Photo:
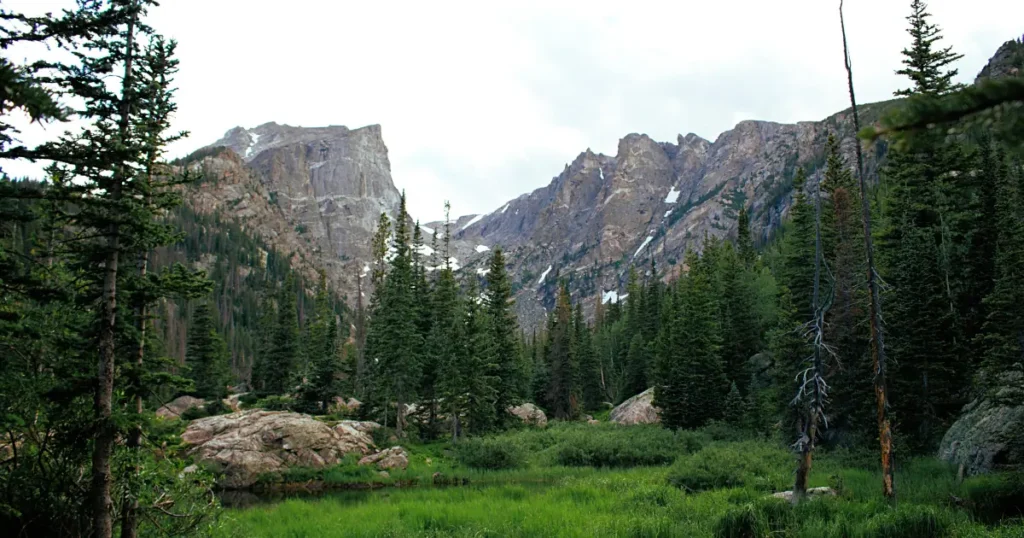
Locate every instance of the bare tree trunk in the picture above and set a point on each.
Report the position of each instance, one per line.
(877, 337)
(129, 510)
(103, 403)
(817, 391)
(400, 418)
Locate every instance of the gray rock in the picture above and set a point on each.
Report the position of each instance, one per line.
(393, 458)
(989, 435)
(179, 405)
(242, 446)
(530, 414)
(637, 410)
(811, 492)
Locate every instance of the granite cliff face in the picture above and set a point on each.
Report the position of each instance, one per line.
(651, 201)
(314, 193)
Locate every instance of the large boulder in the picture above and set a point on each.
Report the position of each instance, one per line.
(989, 435)
(393, 458)
(242, 446)
(179, 405)
(637, 410)
(530, 414)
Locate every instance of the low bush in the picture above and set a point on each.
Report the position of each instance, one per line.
(275, 403)
(615, 446)
(762, 518)
(751, 464)
(992, 499)
(484, 453)
(909, 522)
(216, 407)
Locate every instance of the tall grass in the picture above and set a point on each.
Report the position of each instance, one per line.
(713, 489)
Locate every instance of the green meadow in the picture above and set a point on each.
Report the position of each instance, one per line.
(573, 480)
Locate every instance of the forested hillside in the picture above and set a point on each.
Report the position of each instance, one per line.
(172, 333)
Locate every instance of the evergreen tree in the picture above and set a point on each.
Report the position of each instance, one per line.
(283, 357)
(586, 361)
(445, 342)
(734, 407)
(744, 240)
(501, 318)
(846, 328)
(923, 248)
(741, 334)
(562, 389)
(394, 342)
(797, 272)
(925, 65)
(322, 353)
(1003, 332)
(637, 367)
(207, 357)
(479, 365)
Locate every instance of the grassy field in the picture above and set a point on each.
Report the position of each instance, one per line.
(602, 481)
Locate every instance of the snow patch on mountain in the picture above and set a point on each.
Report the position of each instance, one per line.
(482, 248)
(611, 296)
(672, 197)
(544, 275)
(643, 246)
(472, 221)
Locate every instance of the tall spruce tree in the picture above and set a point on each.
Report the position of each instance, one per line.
(480, 365)
(501, 318)
(923, 249)
(394, 342)
(562, 388)
(206, 355)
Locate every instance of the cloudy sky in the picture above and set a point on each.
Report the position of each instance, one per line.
(481, 102)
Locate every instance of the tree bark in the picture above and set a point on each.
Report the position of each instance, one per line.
(877, 338)
(103, 403)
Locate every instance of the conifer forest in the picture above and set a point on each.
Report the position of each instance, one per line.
(844, 361)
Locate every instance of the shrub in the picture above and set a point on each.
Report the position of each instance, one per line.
(615, 446)
(213, 408)
(276, 403)
(910, 522)
(992, 499)
(765, 517)
(488, 454)
(733, 465)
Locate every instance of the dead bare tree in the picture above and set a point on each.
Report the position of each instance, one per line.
(813, 389)
(877, 337)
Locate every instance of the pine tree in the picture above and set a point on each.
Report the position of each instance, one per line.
(207, 356)
(924, 64)
(562, 396)
(394, 342)
(638, 364)
(798, 249)
(501, 318)
(734, 407)
(283, 356)
(923, 248)
(741, 333)
(1003, 331)
(479, 364)
(846, 328)
(744, 240)
(322, 353)
(589, 380)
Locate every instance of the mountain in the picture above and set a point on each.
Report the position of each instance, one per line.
(317, 193)
(651, 202)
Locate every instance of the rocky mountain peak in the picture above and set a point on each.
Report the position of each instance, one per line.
(1008, 61)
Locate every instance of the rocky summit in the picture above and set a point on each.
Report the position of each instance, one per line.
(317, 193)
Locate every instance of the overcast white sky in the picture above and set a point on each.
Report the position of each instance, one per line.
(481, 102)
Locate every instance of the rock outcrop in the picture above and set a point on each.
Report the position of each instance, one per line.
(242, 446)
(316, 193)
(530, 414)
(393, 458)
(989, 435)
(811, 492)
(637, 410)
(177, 406)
